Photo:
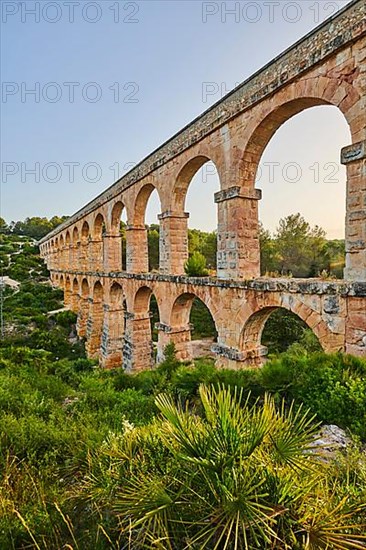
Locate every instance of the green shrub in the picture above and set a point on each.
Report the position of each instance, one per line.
(332, 386)
(195, 266)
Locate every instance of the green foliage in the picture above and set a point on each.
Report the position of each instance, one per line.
(20, 259)
(65, 318)
(195, 266)
(299, 250)
(332, 386)
(153, 244)
(202, 321)
(89, 434)
(284, 329)
(3, 226)
(36, 227)
(170, 363)
(205, 243)
(27, 325)
(238, 476)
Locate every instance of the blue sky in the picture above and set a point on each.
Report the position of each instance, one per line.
(136, 75)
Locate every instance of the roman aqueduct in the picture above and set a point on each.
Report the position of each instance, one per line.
(326, 67)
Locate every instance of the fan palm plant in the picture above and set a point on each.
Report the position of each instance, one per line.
(235, 477)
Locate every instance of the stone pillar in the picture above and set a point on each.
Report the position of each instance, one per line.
(71, 254)
(56, 257)
(173, 242)
(356, 326)
(112, 337)
(238, 252)
(74, 301)
(95, 255)
(112, 249)
(76, 257)
(354, 157)
(137, 252)
(232, 358)
(69, 257)
(83, 256)
(63, 258)
(83, 314)
(67, 296)
(138, 350)
(179, 336)
(94, 329)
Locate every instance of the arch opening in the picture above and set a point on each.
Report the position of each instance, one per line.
(140, 329)
(118, 224)
(142, 300)
(194, 327)
(75, 235)
(116, 295)
(75, 297)
(146, 212)
(75, 286)
(196, 185)
(98, 292)
(298, 170)
(99, 226)
(277, 329)
(85, 289)
(85, 231)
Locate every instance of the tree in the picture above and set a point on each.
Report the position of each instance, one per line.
(209, 249)
(36, 227)
(205, 243)
(153, 243)
(195, 266)
(57, 220)
(301, 249)
(268, 251)
(284, 329)
(3, 226)
(336, 253)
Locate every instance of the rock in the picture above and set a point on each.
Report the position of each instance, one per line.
(329, 440)
(7, 281)
(69, 401)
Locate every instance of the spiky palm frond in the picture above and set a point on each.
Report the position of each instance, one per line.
(238, 477)
(292, 436)
(144, 507)
(328, 525)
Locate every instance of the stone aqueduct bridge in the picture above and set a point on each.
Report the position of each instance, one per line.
(327, 67)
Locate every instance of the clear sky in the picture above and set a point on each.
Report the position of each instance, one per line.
(112, 80)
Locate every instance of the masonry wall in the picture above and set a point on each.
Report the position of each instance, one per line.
(327, 67)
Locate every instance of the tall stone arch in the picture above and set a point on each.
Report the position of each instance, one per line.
(83, 312)
(95, 321)
(113, 327)
(136, 235)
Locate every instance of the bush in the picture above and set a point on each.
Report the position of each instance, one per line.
(224, 477)
(195, 266)
(332, 386)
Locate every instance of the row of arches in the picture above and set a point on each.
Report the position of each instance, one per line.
(114, 316)
(95, 243)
